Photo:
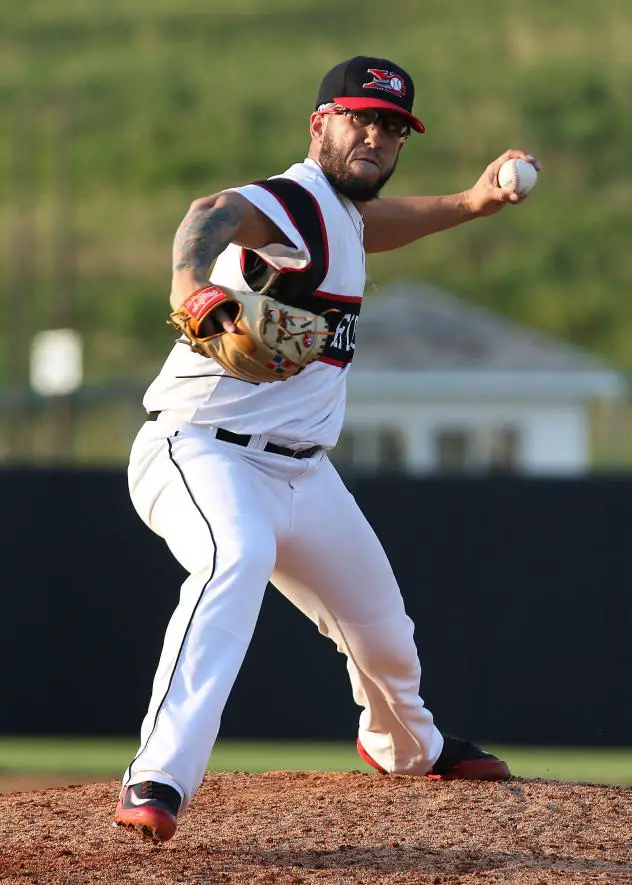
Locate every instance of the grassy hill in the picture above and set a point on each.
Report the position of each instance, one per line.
(119, 114)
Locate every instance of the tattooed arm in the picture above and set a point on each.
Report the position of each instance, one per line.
(208, 227)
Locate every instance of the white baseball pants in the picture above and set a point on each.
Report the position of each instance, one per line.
(235, 518)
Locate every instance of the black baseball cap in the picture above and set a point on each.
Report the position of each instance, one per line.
(367, 82)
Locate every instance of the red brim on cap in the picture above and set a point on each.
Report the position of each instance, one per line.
(357, 103)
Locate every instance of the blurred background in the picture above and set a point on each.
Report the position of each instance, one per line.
(488, 438)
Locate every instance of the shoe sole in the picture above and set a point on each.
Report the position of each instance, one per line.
(159, 830)
(474, 770)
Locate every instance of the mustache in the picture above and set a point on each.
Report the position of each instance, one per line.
(334, 164)
(372, 157)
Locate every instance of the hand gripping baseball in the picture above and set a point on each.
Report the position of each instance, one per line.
(488, 196)
(269, 340)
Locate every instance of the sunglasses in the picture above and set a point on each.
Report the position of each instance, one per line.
(391, 124)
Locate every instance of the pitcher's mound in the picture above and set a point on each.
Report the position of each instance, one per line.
(286, 828)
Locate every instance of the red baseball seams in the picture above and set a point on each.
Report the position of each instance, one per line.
(202, 300)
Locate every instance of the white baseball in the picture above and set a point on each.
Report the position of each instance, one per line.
(518, 176)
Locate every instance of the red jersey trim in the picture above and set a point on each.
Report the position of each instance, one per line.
(323, 229)
(339, 363)
(293, 220)
(331, 297)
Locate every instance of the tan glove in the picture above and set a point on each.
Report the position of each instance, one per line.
(273, 341)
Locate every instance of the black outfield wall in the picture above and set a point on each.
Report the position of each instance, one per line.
(521, 591)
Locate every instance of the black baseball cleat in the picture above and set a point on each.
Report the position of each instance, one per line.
(459, 760)
(149, 808)
(463, 760)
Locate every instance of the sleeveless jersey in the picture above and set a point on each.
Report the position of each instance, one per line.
(307, 409)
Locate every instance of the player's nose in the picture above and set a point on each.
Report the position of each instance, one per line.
(373, 135)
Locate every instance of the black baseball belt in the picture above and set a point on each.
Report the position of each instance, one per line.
(242, 439)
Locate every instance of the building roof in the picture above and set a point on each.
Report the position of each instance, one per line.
(415, 327)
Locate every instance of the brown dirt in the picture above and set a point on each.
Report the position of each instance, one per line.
(293, 827)
(22, 783)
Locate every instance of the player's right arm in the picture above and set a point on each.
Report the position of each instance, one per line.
(206, 230)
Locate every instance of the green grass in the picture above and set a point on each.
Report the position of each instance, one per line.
(152, 120)
(108, 757)
(119, 114)
(610, 765)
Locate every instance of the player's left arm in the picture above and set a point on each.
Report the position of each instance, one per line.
(206, 230)
(392, 222)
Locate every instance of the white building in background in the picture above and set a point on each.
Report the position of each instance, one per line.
(440, 385)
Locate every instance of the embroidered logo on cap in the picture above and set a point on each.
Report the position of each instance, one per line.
(386, 80)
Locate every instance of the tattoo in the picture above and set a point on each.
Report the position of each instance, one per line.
(202, 235)
(463, 205)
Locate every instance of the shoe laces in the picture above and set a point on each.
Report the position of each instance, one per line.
(159, 793)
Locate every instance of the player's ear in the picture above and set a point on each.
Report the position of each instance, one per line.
(316, 125)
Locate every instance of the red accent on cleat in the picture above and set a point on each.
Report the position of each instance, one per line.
(150, 809)
(475, 770)
(151, 823)
(482, 767)
(362, 753)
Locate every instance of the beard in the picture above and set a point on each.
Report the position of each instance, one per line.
(346, 183)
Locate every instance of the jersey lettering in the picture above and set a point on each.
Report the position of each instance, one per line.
(301, 287)
(342, 316)
(344, 336)
(311, 408)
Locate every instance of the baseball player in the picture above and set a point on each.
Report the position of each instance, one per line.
(234, 475)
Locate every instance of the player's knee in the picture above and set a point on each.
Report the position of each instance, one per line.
(398, 660)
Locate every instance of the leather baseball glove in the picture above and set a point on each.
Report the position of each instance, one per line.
(272, 341)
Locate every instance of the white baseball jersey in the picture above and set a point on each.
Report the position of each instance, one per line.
(308, 408)
(237, 515)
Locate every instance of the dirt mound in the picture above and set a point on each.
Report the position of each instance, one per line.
(293, 827)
